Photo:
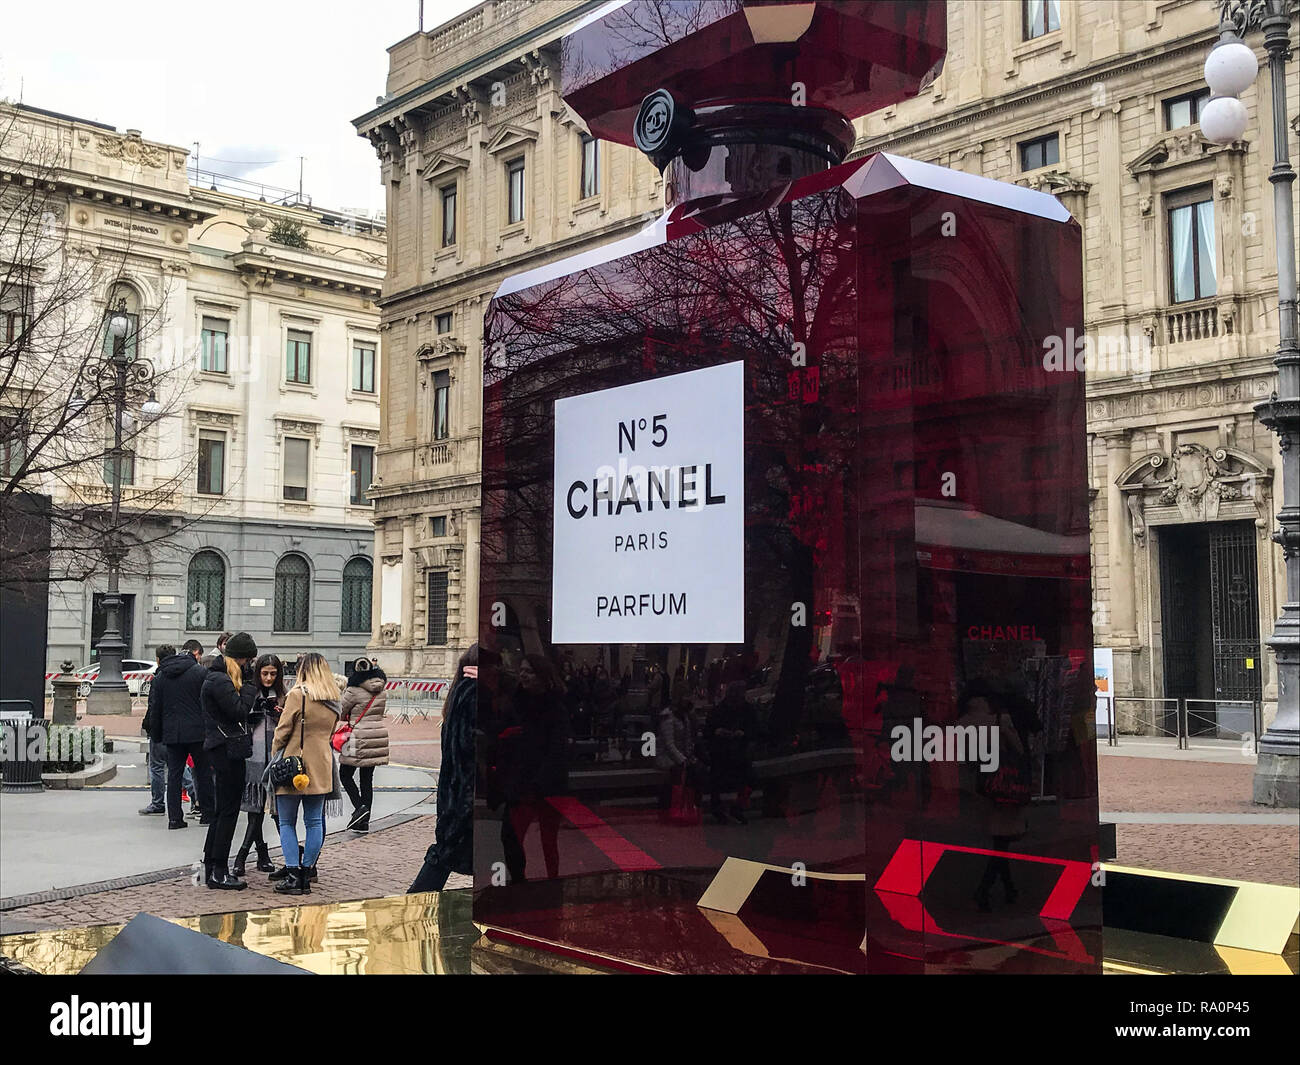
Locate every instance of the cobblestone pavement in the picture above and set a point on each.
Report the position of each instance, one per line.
(385, 861)
(1266, 853)
(355, 867)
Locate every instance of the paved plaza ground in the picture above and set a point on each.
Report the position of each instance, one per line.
(1190, 812)
(79, 858)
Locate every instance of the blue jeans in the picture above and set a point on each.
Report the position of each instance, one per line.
(313, 815)
(157, 775)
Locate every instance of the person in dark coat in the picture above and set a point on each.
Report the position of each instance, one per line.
(176, 723)
(227, 696)
(262, 719)
(157, 754)
(452, 850)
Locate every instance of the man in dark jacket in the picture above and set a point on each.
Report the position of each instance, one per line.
(176, 722)
(157, 754)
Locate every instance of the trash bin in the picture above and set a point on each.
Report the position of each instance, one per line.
(19, 721)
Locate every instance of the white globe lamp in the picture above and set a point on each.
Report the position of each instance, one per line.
(1223, 120)
(1230, 69)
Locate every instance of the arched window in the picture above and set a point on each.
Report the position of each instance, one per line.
(357, 580)
(205, 599)
(292, 594)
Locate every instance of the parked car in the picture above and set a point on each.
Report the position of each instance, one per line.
(131, 667)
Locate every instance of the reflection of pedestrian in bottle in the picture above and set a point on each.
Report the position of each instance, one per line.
(531, 751)
(675, 752)
(730, 728)
(998, 800)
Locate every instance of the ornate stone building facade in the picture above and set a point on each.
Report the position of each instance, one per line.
(487, 173)
(1095, 101)
(245, 499)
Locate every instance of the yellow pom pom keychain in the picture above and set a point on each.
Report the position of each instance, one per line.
(301, 781)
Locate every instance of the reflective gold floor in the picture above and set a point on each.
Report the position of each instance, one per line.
(434, 934)
(401, 934)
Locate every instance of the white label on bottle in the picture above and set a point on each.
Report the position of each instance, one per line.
(649, 512)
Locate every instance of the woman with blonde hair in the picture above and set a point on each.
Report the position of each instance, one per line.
(310, 715)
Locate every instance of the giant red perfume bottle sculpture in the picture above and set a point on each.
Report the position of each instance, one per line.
(785, 573)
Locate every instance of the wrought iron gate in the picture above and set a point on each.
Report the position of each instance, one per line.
(1235, 609)
(1178, 614)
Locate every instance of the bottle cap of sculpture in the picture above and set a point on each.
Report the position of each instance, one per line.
(641, 71)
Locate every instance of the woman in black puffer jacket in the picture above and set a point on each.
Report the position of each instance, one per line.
(227, 696)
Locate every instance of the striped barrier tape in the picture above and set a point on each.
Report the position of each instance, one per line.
(437, 687)
(135, 675)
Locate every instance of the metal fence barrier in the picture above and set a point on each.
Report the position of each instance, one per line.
(415, 697)
(1186, 719)
(1155, 717)
(1223, 719)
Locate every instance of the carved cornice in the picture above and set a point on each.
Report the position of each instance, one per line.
(130, 149)
(1178, 149)
(1196, 480)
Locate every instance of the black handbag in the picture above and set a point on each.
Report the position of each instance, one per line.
(238, 746)
(284, 769)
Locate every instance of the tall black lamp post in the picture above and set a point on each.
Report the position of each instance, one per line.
(1229, 71)
(122, 376)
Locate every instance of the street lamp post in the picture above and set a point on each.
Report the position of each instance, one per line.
(108, 693)
(1229, 70)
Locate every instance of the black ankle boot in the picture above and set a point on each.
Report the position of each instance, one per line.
(311, 873)
(305, 877)
(280, 874)
(219, 879)
(241, 857)
(264, 863)
(289, 884)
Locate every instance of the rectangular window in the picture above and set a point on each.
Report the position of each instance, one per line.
(297, 358)
(1185, 110)
(363, 473)
(1042, 151)
(1192, 273)
(363, 367)
(590, 167)
(441, 405)
(1041, 17)
(13, 314)
(436, 633)
(442, 322)
(13, 444)
(216, 332)
(295, 467)
(128, 467)
(448, 216)
(212, 463)
(438, 526)
(515, 173)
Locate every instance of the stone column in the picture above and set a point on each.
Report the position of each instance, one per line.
(408, 583)
(1110, 221)
(469, 587)
(1119, 540)
(376, 584)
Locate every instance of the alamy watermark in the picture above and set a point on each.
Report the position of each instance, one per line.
(919, 742)
(1105, 353)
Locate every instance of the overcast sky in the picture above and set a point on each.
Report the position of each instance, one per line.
(256, 82)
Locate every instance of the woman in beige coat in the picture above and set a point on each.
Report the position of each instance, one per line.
(363, 708)
(310, 715)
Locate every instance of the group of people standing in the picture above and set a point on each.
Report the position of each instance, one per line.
(234, 715)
